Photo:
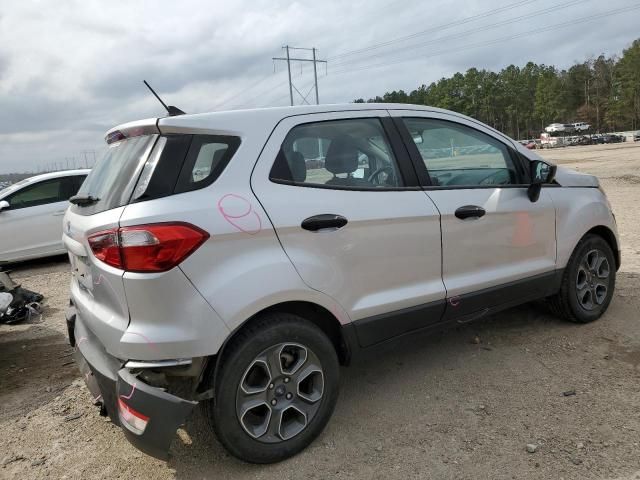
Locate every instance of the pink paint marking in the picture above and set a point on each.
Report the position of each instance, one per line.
(128, 397)
(246, 216)
(78, 342)
(97, 398)
(145, 338)
(233, 195)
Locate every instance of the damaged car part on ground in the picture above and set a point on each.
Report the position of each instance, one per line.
(197, 279)
(17, 304)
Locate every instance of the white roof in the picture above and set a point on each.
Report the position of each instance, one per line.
(241, 122)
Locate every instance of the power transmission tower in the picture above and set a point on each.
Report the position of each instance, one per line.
(314, 60)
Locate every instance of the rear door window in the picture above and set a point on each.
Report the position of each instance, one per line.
(352, 153)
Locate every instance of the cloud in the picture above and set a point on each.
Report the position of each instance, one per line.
(69, 71)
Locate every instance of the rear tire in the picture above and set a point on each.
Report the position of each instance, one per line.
(276, 389)
(588, 282)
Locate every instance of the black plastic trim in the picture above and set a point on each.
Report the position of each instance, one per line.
(504, 296)
(342, 187)
(382, 327)
(166, 413)
(414, 154)
(165, 176)
(108, 382)
(367, 333)
(184, 183)
(400, 152)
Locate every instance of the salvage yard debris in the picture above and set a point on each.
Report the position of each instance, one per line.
(16, 303)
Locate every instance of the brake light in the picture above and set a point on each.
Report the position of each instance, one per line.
(134, 420)
(104, 246)
(147, 248)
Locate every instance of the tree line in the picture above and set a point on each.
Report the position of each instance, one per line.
(521, 101)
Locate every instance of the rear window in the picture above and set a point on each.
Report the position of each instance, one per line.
(147, 167)
(114, 176)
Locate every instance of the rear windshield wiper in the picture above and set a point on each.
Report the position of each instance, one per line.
(83, 200)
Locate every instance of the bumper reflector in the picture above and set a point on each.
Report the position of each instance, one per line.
(132, 419)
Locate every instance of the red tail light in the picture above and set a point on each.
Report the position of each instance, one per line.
(147, 248)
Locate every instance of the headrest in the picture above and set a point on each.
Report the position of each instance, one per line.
(298, 166)
(342, 156)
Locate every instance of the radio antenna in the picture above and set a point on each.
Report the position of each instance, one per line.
(171, 110)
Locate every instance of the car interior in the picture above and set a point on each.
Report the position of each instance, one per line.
(339, 154)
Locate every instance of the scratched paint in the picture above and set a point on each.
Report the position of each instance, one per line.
(238, 212)
(454, 301)
(144, 337)
(128, 397)
(78, 342)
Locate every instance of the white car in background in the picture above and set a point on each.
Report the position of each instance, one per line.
(555, 127)
(581, 126)
(31, 214)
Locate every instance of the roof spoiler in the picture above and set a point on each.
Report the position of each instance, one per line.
(132, 129)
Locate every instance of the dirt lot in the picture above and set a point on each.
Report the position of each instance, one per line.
(461, 404)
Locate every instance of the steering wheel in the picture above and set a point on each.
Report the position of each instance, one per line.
(378, 171)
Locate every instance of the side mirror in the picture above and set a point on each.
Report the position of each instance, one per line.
(4, 205)
(541, 173)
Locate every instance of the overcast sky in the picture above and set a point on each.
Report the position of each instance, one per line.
(71, 70)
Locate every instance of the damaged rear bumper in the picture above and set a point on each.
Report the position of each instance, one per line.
(148, 415)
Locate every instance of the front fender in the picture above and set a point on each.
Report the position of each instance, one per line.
(579, 210)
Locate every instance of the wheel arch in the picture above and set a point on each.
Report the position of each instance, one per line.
(319, 315)
(607, 234)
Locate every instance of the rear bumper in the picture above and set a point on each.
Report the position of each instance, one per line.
(110, 383)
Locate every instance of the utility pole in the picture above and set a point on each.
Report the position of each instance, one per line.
(314, 60)
(315, 76)
(289, 72)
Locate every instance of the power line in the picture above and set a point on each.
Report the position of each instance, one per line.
(492, 42)
(433, 29)
(240, 92)
(466, 33)
(248, 102)
(289, 59)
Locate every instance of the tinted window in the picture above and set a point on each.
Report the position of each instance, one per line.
(352, 153)
(207, 157)
(42, 193)
(114, 176)
(457, 155)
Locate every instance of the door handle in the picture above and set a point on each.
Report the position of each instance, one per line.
(326, 220)
(58, 214)
(470, 211)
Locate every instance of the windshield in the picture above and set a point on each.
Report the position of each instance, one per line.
(114, 176)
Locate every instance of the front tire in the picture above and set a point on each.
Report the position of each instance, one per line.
(588, 282)
(276, 389)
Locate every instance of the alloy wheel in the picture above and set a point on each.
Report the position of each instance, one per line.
(280, 392)
(592, 279)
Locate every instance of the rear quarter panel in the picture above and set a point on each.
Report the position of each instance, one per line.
(241, 269)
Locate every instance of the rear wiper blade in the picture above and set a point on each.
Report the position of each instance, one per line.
(83, 200)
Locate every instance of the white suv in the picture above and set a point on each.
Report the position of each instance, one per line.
(236, 259)
(581, 126)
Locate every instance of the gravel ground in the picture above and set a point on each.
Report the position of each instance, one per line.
(466, 403)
